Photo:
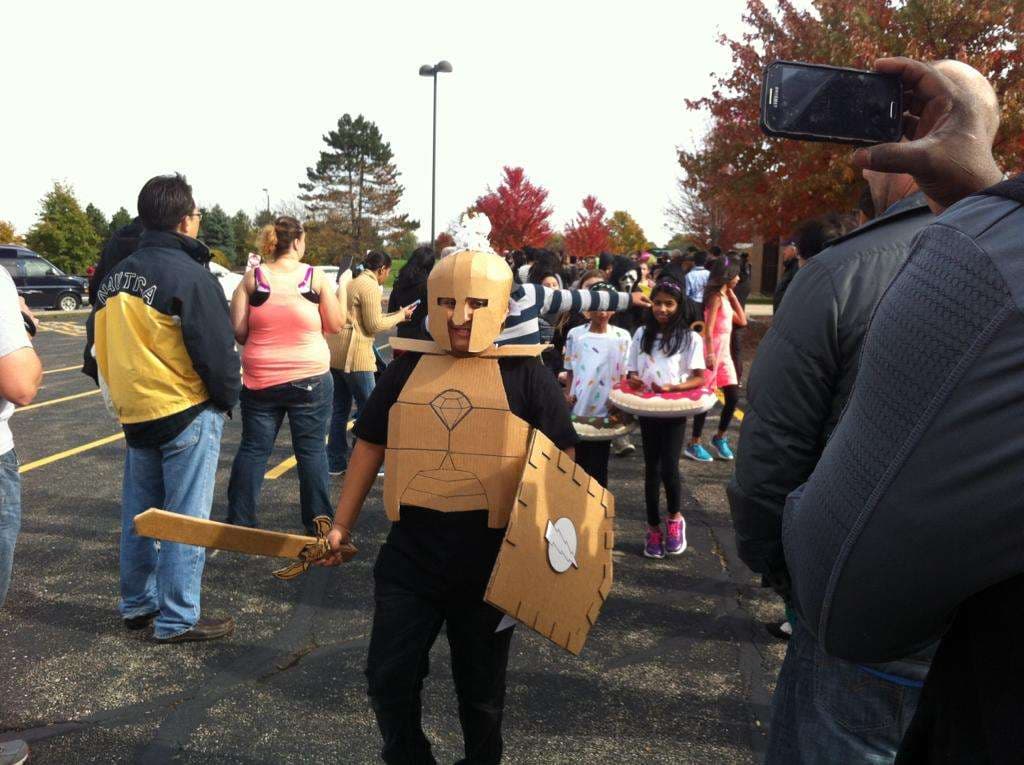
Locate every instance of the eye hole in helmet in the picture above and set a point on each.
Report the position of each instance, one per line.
(476, 303)
(446, 302)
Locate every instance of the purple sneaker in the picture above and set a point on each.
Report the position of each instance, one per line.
(653, 548)
(675, 543)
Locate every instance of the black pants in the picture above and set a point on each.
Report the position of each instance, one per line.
(433, 571)
(731, 393)
(592, 456)
(663, 443)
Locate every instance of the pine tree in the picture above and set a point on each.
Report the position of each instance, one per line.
(98, 221)
(245, 236)
(216, 230)
(64, 234)
(353, 193)
(120, 219)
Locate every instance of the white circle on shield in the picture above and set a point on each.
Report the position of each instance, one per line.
(562, 543)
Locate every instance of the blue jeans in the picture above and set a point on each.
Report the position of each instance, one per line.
(828, 710)
(307, 403)
(10, 517)
(348, 386)
(176, 476)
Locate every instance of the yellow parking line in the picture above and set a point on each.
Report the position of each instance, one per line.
(70, 452)
(276, 472)
(56, 401)
(62, 369)
(721, 399)
(279, 470)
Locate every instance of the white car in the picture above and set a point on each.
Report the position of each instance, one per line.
(228, 279)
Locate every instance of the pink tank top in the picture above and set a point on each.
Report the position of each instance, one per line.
(722, 331)
(286, 337)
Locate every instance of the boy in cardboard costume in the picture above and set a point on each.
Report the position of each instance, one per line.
(451, 422)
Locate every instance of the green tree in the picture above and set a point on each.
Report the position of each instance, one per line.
(216, 230)
(263, 218)
(120, 219)
(8, 235)
(624, 234)
(245, 236)
(353, 193)
(681, 242)
(98, 221)
(64, 234)
(402, 248)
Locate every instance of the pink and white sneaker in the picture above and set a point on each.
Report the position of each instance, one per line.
(675, 543)
(654, 548)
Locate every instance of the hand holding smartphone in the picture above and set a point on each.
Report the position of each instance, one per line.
(814, 102)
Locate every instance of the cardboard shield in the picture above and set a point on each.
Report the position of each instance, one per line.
(554, 570)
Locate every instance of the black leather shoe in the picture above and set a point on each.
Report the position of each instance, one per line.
(142, 621)
(205, 629)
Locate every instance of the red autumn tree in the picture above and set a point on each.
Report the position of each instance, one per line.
(442, 240)
(516, 209)
(586, 235)
(766, 186)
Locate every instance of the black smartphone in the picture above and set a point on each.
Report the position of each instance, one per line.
(814, 102)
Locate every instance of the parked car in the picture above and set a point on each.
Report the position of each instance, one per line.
(41, 283)
(228, 279)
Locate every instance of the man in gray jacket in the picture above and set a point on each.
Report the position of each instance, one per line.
(799, 385)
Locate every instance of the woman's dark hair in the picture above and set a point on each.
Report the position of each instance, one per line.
(375, 260)
(722, 271)
(676, 335)
(813, 236)
(416, 268)
(545, 263)
(277, 238)
(518, 259)
(164, 201)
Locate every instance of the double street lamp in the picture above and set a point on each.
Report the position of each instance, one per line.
(432, 71)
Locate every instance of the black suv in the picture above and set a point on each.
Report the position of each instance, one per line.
(41, 283)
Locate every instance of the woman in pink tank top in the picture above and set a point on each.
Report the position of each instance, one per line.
(722, 312)
(280, 313)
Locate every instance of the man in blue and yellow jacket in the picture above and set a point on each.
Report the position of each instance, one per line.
(165, 348)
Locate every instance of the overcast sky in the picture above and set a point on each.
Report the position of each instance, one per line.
(587, 97)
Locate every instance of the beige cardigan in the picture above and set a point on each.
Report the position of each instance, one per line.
(352, 348)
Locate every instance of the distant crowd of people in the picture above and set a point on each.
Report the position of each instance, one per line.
(876, 486)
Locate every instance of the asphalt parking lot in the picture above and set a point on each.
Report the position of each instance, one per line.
(678, 670)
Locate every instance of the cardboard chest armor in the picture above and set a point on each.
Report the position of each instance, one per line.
(453, 444)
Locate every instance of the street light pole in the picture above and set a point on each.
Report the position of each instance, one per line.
(432, 71)
(268, 201)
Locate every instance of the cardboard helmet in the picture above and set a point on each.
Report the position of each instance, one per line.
(461, 277)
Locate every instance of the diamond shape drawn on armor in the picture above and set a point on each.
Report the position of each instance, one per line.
(451, 406)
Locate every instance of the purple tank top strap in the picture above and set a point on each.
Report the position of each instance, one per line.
(261, 281)
(307, 280)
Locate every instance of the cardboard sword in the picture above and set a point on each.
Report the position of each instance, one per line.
(174, 527)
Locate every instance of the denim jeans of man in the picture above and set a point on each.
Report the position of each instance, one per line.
(307, 403)
(348, 387)
(177, 476)
(826, 710)
(10, 517)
